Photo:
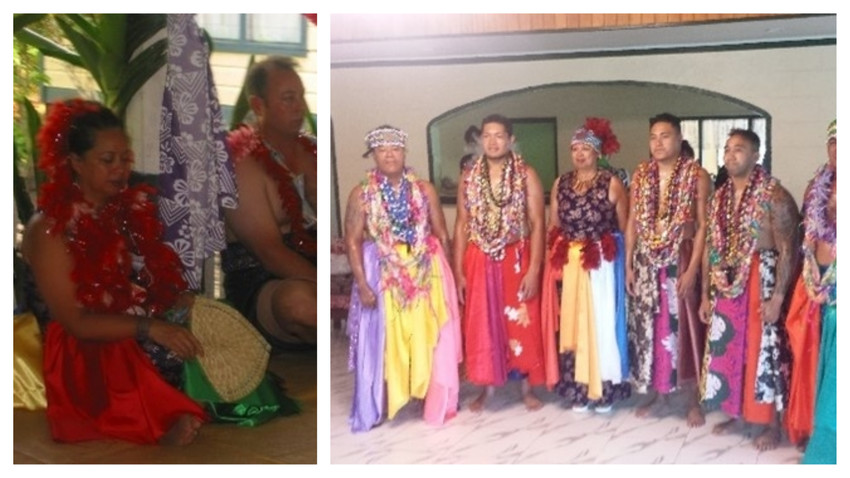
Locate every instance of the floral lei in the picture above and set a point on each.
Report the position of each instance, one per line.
(406, 278)
(732, 233)
(817, 226)
(244, 142)
(494, 219)
(105, 243)
(662, 243)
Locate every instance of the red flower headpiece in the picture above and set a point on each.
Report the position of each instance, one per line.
(601, 128)
(52, 140)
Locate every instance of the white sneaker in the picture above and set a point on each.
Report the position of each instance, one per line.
(604, 409)
(581, 408)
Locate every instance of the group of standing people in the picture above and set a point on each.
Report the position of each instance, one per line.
(664, 285)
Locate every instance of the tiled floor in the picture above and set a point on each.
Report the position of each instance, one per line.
(283, 440)
(506, 433)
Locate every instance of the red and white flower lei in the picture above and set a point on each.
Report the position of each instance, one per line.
(103, 243)
(245, 142)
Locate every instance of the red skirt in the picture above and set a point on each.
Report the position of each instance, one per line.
(501, 334)
(99, 390)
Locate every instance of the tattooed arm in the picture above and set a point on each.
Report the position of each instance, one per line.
(355, 226)
(784, 219)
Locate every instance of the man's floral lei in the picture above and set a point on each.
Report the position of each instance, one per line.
(245, 142)
(817, 226)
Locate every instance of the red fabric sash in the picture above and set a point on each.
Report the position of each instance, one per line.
(803, 325)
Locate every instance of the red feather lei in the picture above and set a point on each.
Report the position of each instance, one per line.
(245, 142)
(592, 252)
(103, 244)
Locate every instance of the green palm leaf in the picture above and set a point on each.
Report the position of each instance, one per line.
(48, 47)
(22, 20)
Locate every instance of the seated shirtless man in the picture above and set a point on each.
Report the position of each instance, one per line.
(270, 260)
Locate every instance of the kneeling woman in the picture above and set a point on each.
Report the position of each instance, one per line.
(403, 323)
(584, 289)
(107, 282)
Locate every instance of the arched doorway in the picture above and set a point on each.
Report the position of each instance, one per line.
(707, 117)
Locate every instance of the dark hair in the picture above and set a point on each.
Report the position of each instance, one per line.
(747, 135)
(84, 126)
(667, 118)
(257, 78)
(472, 133)
(687, 151)
(502, 120)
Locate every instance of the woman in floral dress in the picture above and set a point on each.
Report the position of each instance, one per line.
(584, 288)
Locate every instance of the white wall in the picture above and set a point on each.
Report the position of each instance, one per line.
(796, 86)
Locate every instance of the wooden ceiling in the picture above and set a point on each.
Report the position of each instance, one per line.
(354, 27)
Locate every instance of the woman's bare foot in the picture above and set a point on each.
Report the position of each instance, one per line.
(768, 439)
(642, 410)
(183, 432)
(478, 404)
(531, 401)
(695, 417)
(723, 427)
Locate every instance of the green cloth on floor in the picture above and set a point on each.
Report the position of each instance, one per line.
(256, 408)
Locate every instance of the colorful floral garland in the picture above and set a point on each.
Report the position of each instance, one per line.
(493, 220)
(389, 231)
(246, 142)
(818, 226)
(660, 232)
(120, 263)
(733, 233)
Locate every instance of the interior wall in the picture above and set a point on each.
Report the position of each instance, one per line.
(795, 86)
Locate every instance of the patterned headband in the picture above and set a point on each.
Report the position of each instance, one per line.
(385, 136)
(584, 135)
(831, 131)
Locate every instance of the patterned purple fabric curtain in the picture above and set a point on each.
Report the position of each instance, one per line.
(196, 175)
